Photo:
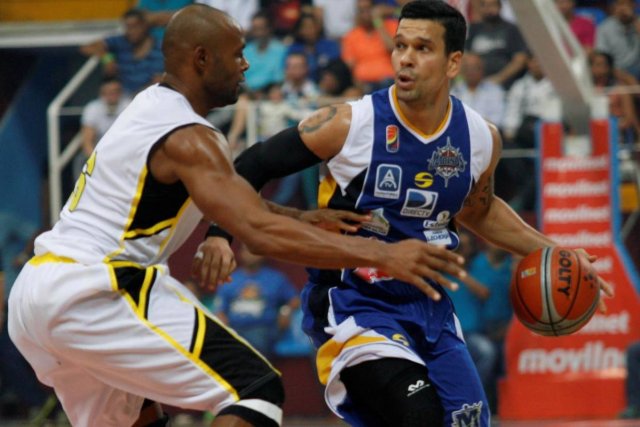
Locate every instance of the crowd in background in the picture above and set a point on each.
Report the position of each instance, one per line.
(305, 54)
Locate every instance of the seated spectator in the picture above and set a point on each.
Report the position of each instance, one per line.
(265, 53)
(336, 83)
(632, 383)
(499, 43)
(336, 17)
(134, 57)
(99, 114)
(308, 40)
(258, 303)
(298, 87)
(367, 48)
(159, 12)
(621, 105)
(583, 28)
(619, 36)
(241, 11)
(481, 94)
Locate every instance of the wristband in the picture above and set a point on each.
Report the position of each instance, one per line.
(215, 231)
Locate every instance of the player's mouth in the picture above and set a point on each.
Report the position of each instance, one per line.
(404, 81)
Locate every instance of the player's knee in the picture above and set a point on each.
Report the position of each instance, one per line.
(415, 403)
(261, 407)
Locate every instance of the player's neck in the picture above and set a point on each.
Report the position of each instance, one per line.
(426, 115)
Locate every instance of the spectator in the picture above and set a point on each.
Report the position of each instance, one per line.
(285, 13)
(621, 105)
(134, 57)
(583, 28)
(337, 16)
(367, 48)
(632, 383)
(241, 11)
(265, 53)
(275, 113)
(309, 41)
(526, 102)
(298, 87)
(258, 303)
(499, 43)
(619, 36)
(99, 114)
(336, 82)
(158, 13)
(481, 94)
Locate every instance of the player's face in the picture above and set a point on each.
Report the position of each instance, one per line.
(422, 66)
(226, 71)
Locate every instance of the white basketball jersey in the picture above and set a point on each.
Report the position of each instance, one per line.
(118, 211)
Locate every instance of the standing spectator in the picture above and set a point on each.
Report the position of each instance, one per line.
(621, 105)
(367, 48)
(308, 40)
(99, 114)
(134, 57)
(619, 36)
(240, 10)
(258, 303)
(632, 383)
(265, 53)
(337, 16)
(499, 43)
(158, 13)
(483, 95)
(583, 27)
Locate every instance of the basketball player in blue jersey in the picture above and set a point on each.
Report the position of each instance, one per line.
(420, 162)
(96, 311)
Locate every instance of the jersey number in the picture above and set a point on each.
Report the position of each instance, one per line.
(87, 170)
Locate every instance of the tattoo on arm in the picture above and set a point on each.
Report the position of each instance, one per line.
(481, 195)
(317, 120)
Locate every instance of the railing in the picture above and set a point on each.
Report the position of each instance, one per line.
(58, 160)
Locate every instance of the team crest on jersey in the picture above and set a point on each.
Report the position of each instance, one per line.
(393, 139)
(419, 203)
(467, 416)
(447, 162)
(378, 224)
(388, 180)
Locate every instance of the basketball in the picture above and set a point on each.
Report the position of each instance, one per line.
(554, 292)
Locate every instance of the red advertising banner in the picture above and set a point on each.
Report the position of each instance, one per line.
(579, 375)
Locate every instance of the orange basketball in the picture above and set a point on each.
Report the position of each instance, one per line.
(553, 292)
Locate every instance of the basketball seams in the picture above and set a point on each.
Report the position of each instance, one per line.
(545, 261)
(577, 290)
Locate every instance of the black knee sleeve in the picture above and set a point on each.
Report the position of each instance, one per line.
(260, 407)
(396, 391)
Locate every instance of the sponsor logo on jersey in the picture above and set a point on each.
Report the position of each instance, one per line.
(388, 180)
(442, 221)
(467, 416)
(401, 339)
(393, 139)
(447, 162)
(414, 388)
(437, 237)
(423, 180)
(419, 203)
(378, 224)
(371, 275)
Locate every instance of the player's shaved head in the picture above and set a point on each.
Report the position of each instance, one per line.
(192, 26)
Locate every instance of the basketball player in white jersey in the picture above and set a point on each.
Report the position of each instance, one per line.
(96, 312)
(421, 163)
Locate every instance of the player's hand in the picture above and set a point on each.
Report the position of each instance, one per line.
(605, 287)
(213, 263)
(335, 220)
(414, 260)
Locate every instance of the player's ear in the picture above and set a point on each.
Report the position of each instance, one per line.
(453, 65)
(200, 55)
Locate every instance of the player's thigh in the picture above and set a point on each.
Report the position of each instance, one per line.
(150, 337)
(393, 392)
(456, 379)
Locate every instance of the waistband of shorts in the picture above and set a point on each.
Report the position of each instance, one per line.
(49, 258)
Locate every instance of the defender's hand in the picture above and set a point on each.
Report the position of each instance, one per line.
(335, 220)
(213, 263)
(413, 260)
(605, 287)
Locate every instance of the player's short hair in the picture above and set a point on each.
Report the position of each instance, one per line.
(448, 16)
(134, 13)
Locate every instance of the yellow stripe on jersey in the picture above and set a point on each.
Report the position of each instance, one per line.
(411, 125)
(49, 257)
(175, 221)
(144, 291)
(202, 326)
(132, 234)
(326, 190)
(331, 349)
(132, 212)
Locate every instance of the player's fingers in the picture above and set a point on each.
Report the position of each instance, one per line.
(226, 267)
(214, 269)
(606, 288)
(427, 289)
(602, 306)
(344, 226)
(353, 216)
(443, 253)
(440, 278)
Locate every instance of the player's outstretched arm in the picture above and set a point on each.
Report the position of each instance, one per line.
(199, 158)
